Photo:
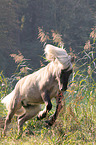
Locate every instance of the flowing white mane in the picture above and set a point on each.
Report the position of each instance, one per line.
(52, 53)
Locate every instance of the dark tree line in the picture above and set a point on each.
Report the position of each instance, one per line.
(20, 19)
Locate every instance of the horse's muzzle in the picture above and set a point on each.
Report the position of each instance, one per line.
(64, 88)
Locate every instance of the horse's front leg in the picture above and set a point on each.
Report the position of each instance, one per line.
(48, 105)
(58, 108)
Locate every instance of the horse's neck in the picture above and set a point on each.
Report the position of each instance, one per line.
(54, 68)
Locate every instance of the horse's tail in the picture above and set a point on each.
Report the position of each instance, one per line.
(8, 100)
(53, 52)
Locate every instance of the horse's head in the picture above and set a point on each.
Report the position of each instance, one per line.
(64, 76)
(64, 65)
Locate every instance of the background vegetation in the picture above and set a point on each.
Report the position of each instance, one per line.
(76, 123)
(22, 36)
(20, 19)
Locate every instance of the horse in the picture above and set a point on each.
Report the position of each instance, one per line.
(40, 87)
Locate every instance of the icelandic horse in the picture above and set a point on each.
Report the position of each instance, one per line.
(40, 87)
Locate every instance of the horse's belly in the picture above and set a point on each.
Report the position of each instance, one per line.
(35, 99)
(32, 97)
(31, 93)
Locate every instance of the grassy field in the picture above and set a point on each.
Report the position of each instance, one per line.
(76, 123)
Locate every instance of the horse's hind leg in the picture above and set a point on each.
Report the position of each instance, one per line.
(11, 112)
(31, 111)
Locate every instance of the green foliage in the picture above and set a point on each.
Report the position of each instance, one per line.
(7, 84)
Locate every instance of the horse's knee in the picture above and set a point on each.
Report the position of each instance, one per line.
(8, 121)
(49, 106)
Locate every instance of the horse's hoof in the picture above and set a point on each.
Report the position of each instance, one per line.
(38, 118)
(19, 136)
(3, 134)
(48, 123)
(29, 132)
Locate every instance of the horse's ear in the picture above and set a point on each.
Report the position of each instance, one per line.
(72, 59)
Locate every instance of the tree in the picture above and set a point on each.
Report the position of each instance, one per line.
(9, 29)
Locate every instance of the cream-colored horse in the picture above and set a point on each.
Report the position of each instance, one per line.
(40, 87)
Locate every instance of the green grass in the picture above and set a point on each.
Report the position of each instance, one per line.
(76, 124)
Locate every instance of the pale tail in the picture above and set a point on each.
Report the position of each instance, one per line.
(7, 101)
